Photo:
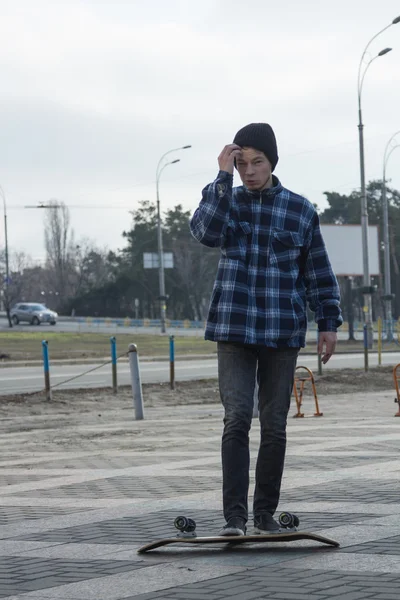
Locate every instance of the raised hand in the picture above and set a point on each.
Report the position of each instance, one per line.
(227, 157)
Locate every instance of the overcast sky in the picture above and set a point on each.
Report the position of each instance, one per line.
(93, 92)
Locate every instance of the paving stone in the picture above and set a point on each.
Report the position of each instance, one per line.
(245, 573)
(246, 595)
(285, 595)
(385, 446)
(20, 574)
(261, 583)
(389, 545)
(130, 530)
(14, 514)
(355, 490)
(16, 478)
(128, 487)
(100, 461)
(315, 462)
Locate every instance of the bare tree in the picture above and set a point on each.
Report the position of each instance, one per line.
(91, 268)
(59, 244)
(24, 280)
(19, 263)
(196, 267)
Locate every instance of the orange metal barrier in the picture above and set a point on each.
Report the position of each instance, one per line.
(396, 385)
(301, 381)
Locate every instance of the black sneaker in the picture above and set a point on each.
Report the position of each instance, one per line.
(235, 526)
(265, 524)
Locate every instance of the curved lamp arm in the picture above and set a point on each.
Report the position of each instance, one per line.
(165, 154)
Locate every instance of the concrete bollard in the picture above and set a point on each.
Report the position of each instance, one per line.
(113, 342)
(135, 381)
(46, 366)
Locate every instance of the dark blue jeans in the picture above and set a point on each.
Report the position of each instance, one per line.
(238, 367)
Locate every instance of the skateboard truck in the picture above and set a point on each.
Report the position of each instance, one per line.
(186, 527)
(288, 520)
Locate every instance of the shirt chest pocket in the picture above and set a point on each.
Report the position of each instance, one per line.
(286, 249)
(237, 238)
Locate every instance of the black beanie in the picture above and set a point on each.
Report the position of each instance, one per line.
(261, 137)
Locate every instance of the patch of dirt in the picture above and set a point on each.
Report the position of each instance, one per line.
(350, 381)
(101, 399)
(346, 381)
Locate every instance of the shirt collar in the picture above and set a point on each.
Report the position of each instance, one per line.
(272, 191)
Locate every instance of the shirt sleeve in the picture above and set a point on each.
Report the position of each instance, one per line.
(210, 220)
(322, 288)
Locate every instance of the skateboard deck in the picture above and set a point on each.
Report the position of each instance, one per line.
(240, 539)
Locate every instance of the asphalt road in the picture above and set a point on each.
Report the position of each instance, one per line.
(74, 327)
(29, 379)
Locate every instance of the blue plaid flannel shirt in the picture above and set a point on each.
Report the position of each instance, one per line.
(273, 261)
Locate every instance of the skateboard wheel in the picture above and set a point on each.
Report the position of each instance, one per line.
(288, 520)
(185, 524)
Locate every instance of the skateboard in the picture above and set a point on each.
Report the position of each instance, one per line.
(287, 521)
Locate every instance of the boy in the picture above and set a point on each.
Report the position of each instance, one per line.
(273, 260)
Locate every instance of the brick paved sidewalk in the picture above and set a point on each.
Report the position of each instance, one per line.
(78, 500)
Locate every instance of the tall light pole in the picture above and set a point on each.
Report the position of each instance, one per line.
(163, 297)
(388, 297)
(364, 206)
(7, 279)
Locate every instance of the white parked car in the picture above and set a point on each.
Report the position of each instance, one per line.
(32, 313)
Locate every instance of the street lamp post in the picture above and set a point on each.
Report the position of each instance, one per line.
(364, 206)
(163, 297)
(7, 279)
(388, 297)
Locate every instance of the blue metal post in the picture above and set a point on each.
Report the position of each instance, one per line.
(114, 364)
(172, 362)
(366, 347)
(46, 366)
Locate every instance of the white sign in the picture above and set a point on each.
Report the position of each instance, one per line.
(150, 260)
(344, 245)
